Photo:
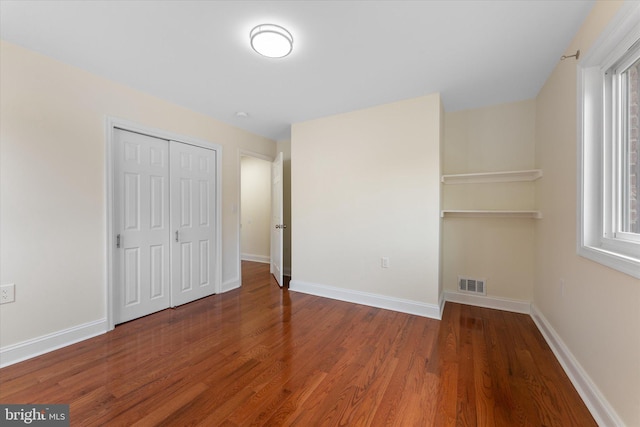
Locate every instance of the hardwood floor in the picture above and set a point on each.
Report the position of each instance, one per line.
(265, 356)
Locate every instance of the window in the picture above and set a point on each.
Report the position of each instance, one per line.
(628, 81)
(608, 218)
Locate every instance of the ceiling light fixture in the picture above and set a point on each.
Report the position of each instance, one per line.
(271, 41)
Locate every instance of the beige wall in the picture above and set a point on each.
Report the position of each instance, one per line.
(490, 139)
(255, 209)
(364, 185)
(598, 315)
(52, 190)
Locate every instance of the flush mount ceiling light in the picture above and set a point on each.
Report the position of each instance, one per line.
(271, 41)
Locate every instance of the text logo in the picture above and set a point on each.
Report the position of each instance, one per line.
(34, 415)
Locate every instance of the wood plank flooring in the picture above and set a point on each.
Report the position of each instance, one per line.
(265, 356)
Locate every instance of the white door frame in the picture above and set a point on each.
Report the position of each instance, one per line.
(244, 153)
(277, 219)
(110, 124)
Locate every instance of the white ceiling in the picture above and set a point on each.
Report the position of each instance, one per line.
(347, 54)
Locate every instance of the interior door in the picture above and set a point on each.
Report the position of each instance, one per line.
(141, 182)
(277, 226)
(193, 222)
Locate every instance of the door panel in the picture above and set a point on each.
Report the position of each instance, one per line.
(157, 271)
(141, 208)
(132, 276)
(185, 202)
(186, 266)
(205, 210)
(131, 201)
(204, 264)
(192, 190)
(158, 202)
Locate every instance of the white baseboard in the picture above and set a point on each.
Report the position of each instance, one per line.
(35, 347)
(365, 298)
(265, 259)
(516, 306)
(230, 285)
(598, 405)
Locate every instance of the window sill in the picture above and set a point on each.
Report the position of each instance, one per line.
(620, 262)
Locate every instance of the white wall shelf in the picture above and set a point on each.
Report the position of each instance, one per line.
(449, 213)
(488, 177)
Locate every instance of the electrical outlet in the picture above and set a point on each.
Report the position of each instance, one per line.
(384, 262)
(7, 293)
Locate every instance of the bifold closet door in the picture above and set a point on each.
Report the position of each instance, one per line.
(142, 260)
(193, 222)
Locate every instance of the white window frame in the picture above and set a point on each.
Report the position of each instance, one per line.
(598, 156)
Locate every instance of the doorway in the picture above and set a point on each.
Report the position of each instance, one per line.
(261, 220)
(255, 209)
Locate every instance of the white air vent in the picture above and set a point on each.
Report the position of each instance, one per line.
(472, 285)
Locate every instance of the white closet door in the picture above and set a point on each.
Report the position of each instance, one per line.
(142, 225)
(193, 222)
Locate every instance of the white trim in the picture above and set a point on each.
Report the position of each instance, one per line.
(109, 250)
(365, 298)
(597, 404)
(44, 344)
(110, 124)
(506, 304)
(256, 258)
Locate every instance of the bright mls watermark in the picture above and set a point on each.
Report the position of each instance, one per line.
(34, 415)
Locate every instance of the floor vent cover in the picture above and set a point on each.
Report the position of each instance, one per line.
(471, 285)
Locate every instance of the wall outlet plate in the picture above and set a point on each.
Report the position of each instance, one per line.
(7, 293)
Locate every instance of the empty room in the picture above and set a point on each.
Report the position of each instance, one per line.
(355, 213)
